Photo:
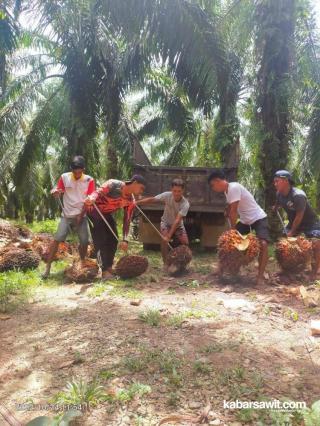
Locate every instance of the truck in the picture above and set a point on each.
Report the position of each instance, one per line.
(205, 220)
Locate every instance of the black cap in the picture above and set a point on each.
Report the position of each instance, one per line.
(138, 179)
(78, 162)
(284, 174)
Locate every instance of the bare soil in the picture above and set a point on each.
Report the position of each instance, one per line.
(217, 340)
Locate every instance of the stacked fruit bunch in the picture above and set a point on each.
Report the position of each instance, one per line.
(293, 254)
(18, 258)
(41, 245)
(236, 250)
(131, 266)
(178, 259)
(82, 271)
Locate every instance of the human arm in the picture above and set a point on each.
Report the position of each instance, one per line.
(94, 193)
(295, 224)
(299, 203)
(233, 214)
(174, 227)
(59, 188)
(147, 200)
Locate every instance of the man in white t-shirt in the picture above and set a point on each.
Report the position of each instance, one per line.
(241, 204)
(176, 207)
(74, 186)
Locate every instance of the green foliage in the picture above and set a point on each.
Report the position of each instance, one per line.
(16, 287)
(135, 389)
(44, 226)
(151, 317)
(80, 392)
(311, 416)
(60, 420)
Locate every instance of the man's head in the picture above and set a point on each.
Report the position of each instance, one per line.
(137, 185)
(77, 166)
(218, 181)
(283, 181)
(177, 189)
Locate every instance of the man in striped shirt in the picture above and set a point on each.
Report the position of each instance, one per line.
(113, 195)
(75, 187)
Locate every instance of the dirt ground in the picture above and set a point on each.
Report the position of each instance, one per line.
(213, 341)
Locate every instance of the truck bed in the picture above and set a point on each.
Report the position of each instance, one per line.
(197, 190)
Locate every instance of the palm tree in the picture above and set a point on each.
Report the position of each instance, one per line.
(275, 22)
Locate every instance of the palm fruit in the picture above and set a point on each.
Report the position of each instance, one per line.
(7, 230)
(293, 254)
(131, 266)
(178, 259)
(82, 271)
(17, 258)
(236, 250)
(41, 244)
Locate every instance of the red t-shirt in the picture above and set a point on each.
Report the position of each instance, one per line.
(109, 198)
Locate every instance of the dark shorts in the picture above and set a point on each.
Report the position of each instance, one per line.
(260, 227)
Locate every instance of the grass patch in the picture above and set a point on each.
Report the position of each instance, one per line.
(134, 390)
(116, 288)
(106, 374)
(176, 320)
(43, 226)
(156, 360)
(16, 287)
(151, 317)
(199, 314)
(201, 367)
(135, 364)
(219, 347)
(81, 392)
(56, 276)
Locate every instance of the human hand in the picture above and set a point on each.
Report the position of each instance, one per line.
(89, 201)
(56, 192)
(124, 245)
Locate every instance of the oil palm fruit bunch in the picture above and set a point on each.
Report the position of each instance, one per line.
(41, 245)
(18, 258)
(293, 254)
(236, 250)
(131, 266)
(178, 259)
(82, 271)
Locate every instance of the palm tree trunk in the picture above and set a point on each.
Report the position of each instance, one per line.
(274, 47)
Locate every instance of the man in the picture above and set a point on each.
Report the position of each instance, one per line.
(302, 218)
(176, 208)
(241, 204)
(113, 195)
(75, 187)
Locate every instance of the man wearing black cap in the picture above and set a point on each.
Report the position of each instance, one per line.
(302, 218)
(113, 195)
(75, 187)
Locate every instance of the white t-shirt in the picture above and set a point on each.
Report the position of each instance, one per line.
(74, 192)
(248, 209)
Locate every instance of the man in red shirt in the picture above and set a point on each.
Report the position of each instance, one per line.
(75, 187)
(113, 195)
